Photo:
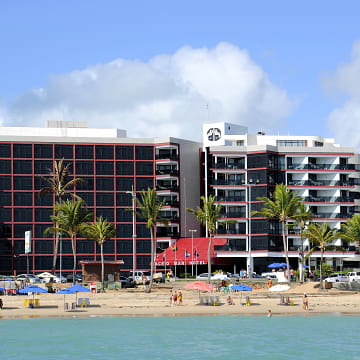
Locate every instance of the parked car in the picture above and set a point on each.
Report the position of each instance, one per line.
(337, 277)
(354, 275)
(126, 282)
(31, 278)
(233, 276)
(78, 277)
(204, 276)
(47, 277)
(139, 276)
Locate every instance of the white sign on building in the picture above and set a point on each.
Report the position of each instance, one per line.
(27, 242)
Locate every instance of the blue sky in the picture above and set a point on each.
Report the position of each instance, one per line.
(305, 54)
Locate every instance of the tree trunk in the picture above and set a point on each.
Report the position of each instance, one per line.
(286, 253)
(152, 257)
(209, 258)
(302, 256)
(321, 260)
(102, 266)
(57, 236)
(74, 253)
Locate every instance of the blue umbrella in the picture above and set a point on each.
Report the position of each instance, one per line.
(32, 289)
(78, 288)
(275, 266)
(284, 265)
(65, 291)
(241, 287)
(306, 267)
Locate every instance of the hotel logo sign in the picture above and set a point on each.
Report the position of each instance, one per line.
(214, 134)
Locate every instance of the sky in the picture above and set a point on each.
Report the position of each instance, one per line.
(162, 68)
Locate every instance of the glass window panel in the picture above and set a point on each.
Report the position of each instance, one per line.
(22, 151)
(39, 231)
(109, 247)
(85, 246)
(84, 151)
(105, 213)
(43, 167)
(5, 214)
(19, 230)
(124, 246)
(84, 168)
(5, 230)
(142, 231)
(5, 183)
(45, 200)
(22, 167)
(124, 168)
(43, 214)
(88, 197)
(144, 152)
(86, 184)
(44, 246)
(124, 152)
(104, 151)
(5, 150)
(44, 151)
(5, 247)
(143, 246)
(142, 184)
(104, 199)
(104, 168)
(104, 183)
(22, 183)
(43, 263)
(143, 262)
(23, 215)
(123, 215)
(63, 151)
(123, 199)
(39, 182)
(124, 183)
(5, 198)
(23, 199)
(144, 168)
(5, 167)
(19, 247)
(124, 230)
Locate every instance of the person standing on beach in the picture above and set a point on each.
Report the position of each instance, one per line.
(269, 283)
(305, 302)
(175, 298)
(171, 297)
(180, 297)
(1, 304)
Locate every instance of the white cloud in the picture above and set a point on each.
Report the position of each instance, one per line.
(165, 96)
(344, 120)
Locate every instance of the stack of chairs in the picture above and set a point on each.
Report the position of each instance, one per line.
(247, 301)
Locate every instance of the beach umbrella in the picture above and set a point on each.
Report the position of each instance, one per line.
(284, 265)
(240, 288)
(275, 266)
(220, 277)
(65, 292)
(34, 289)
(78, 288)
(199, 285)
(279, 288)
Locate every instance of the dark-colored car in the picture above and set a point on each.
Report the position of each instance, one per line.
(78, 277)
(126, 282)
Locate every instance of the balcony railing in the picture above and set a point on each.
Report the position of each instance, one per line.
(228, 166)
(321, 167)
(332, 216)
(167, 187)
(170, 202)
(229, 182)
(167, 172)
(166, 156)
(234, 214)
(228, 247)
(350, 182)
(230, 198)
(169, 218)
(332, 199)
(223, 231)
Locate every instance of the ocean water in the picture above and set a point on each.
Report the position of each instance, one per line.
(180, 337)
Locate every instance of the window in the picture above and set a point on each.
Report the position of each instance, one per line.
(5, 231)
(22, 151)
(5, 150)
(86, 184)
(124, 168)
(124, 152)
(44, 246)
(143, 262)
(104, 152)
(292, 143)
(5, 214)
(43, 166)
(85, 246)
(124, 230)
(5, 167)
(144, 168)
(5, 182)
(104, 199)
(22, 183)
(63, 151)
(104, 168)
(22, 167)
(144, 153)
(19, 230)
(124, 246)
(23, 199)
(44, 151)
(105, 213)
(84, 168)
(104, 183)
(123, 199)
(5, 198)
(109, 247)
(240, 142)
(43, 262)
(142, 231)
(88, 197)
(142, 184)
(45, 200)
(23, 215)
(39, 182)
(143, 246)
(124, 183)
(19, 247)
(318, 144)
(39, 231)
(84, 151)
(123, 215)
(43, 214)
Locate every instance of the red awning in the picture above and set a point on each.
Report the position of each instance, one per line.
(186, 252)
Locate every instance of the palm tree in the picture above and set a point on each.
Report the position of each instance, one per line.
(58, 183)
(321, 235)
(208, 215)
(149, 207)
(100, 230)
(282, 208)
(71, 215)
(351, 230)
(302, 217)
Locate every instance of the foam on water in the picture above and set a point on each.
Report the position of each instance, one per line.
(217, 337)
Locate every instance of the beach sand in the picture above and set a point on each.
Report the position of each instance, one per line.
(135, 302)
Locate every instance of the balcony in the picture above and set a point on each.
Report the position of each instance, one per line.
(330, 199)
(332, 216)
(167, 172)
(167, 187)
(228, 247)
(222, 231)
(233, 214)
(169, 202)
(166, 232)
(230, 198)
(239, 182)
(170, 218)
(321, 167)
(166, 156)
(223, 166)
(349, 182)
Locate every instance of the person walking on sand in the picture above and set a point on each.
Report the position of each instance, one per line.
(175, 298)
(171, 297)
(305, 302)
(269, 283)
(180, 297)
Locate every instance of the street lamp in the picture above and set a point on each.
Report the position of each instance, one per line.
(133, 223)
(192, 251)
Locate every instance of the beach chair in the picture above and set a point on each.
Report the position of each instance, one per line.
(73, 306)
(282, 300)
(66, 307)
(288, 301)
(31, 303)
(202, 302)
(25, 302)
(247, 301)
(83, 303)
(216, 301)
(37, 302)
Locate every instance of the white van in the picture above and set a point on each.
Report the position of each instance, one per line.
(139, 276)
